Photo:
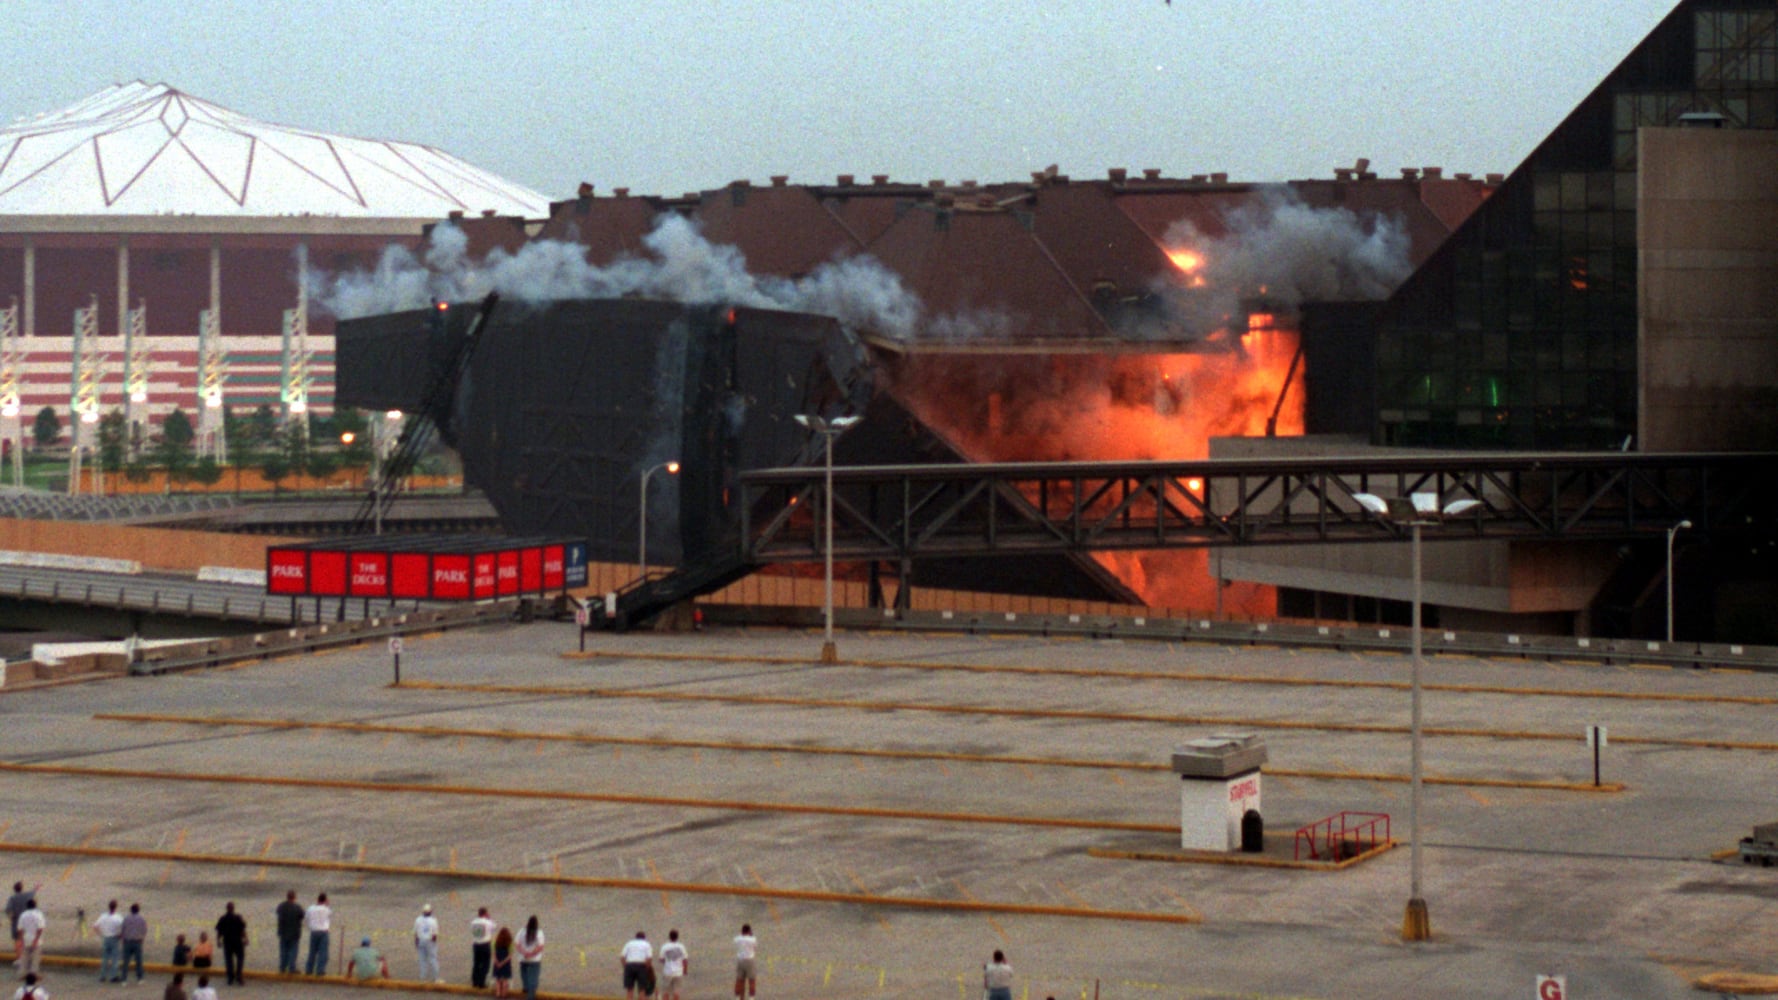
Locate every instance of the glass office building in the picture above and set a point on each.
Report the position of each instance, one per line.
(1521, 331)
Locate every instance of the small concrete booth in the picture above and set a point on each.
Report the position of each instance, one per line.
(1219, 784)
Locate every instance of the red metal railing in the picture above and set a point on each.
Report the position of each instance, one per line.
(1342, 835)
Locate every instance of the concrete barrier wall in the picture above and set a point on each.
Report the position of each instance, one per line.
(153, 548)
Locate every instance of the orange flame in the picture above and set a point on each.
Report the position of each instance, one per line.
(1190, 262)
(1118, 408)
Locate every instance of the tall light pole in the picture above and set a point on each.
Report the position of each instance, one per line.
(642, 539)
(1676, 529)
(1414, 512)
(828, 429)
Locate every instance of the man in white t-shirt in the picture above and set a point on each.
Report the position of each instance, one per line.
(31, 924)
(109, 927)
(481, 947)
(426, 945)
(746, 981)
(319, 920)
(638, 955)
(675, 963)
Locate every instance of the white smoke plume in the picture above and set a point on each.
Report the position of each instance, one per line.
(681, 266)
(1283, 252)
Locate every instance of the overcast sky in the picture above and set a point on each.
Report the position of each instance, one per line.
(666, 96)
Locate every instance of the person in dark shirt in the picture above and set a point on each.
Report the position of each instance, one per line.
(231, 933)
(290, 932)
(176, 988)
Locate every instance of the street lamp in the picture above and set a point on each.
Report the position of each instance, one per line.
(828, 429)
(1415, 512)
(642, 541)
(1676, 529)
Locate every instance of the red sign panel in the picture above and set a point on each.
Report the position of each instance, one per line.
(370, 574)
(450, 577)
(483, 579)
(409, 575)
(327, 573)
(287, 571)
(552, 567)
(506, 571)
(531, 570)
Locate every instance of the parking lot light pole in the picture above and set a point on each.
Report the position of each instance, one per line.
(1414, 513)
(828, 429)
(1676, 529)
(672, 469)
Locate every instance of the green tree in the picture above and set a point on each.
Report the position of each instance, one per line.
(206, 471)
(177, 428)
(172, 451)
(274, 467)
(262, 426)
(46, 430)
(136, 470)
(321, 464)
(114, 441)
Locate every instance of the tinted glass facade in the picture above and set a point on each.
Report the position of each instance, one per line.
(1521, 331)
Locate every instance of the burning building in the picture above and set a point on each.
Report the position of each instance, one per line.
(1052, 319)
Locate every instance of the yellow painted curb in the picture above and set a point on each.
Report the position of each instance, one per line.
(800, 748)
(1195, 677)
(732, 805)
(1077, 714)
(1185, 857)
(404, 985)
(591, 882)
(1748, 983)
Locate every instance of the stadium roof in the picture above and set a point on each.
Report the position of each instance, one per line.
(148, 149)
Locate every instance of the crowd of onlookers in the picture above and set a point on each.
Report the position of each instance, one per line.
(494, 951)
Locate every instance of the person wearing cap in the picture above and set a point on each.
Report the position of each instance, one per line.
(426, 945)
(366, 963)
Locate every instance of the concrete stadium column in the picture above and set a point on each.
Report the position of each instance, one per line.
(30, 318)
(123, 286)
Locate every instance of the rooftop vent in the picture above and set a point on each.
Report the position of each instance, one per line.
(1342, 173)
(457, 213)
(742, 183)
(935, 184)
(621, 192)
(779, 180)
(1466, 177)
(1496, 179)
(487, 213)
(845, 180)
(1151, 173)
(585, 190)
(1117, 174)
(880, 180)
(1219, 178)
(1433, 173)
(1410, 173)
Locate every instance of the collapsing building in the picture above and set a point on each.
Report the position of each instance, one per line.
(1134, 317)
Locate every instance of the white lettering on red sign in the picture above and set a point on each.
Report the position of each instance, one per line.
(292, 571)
(552, 565)
(509, 572)
(1244, 790)
(450, 576)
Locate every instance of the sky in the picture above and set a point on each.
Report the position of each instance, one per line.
(669, 96)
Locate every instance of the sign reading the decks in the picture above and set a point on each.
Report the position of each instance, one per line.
(427, 567)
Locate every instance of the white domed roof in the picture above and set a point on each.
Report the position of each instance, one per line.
(147, 149)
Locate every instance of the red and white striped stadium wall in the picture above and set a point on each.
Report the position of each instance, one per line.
(175, 267)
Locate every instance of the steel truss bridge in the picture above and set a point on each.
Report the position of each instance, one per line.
(909, 512)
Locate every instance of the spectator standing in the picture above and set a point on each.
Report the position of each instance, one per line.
(30, 991)
(502, 962)
(203, 955)
(30, 943)
(319, 920)
(636, 958)
(109, 927)
(675, 963)
(426, 945)
(204, 991)
(746, 974)
(176, 988)
(231, 933)
(290, 932)
(530, 948)
(135, 935)
(366, 963)
(15, 907)
(997, 978)
(481, 947)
